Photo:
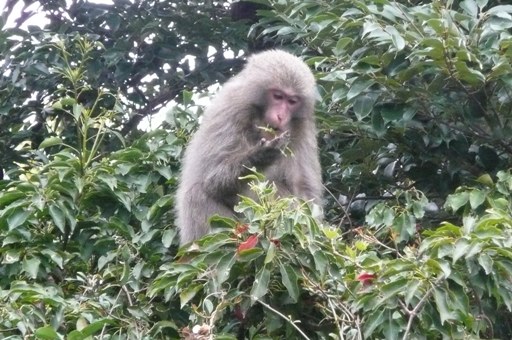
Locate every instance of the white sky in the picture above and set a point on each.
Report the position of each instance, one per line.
(39, 19)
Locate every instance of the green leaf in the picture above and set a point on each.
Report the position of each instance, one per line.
(125, 275)
(460, 248)
(31, 266)
(396, 38)
(499, 9)
(46, 333)
(189, 292)
(77, 111)
(17, 217)
(468, 224)
(286, 30)
(476, 198)
(470, 7)
(481, 3)
(250, 254)
(340, 46)
(392, 112)
(208, 306)
(107, 258)
(224, 267)
(500, 203)
(413, 292)
(58, 217)
(469, 74)
(374, 319)
(260, 285)
(405, 225)
(438, 25)
(50, 141)
(435, 46)
(456, 201)
(331, 233)
(168, 236)
(54, 256)
(186, 97)
(289, 280)
(85, 330)
(12, 255)
(363, 105)
(75, 335)
(271, 253)
(8, 197)
(108, 179)
(486, 180)
(321, 262)
(390, 291)
(486, 263)
(161, 325)
(358, 86)
(474, 249)
(443, 305)
(378, 125)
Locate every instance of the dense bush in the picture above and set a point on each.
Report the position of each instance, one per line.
(414, 123)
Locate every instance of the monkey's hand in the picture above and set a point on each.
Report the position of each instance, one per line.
(268, 150)
(278, 142)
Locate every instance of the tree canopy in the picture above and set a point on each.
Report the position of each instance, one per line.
(414, 120)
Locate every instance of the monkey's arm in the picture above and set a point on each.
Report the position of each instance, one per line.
(308, 180)
(222, 176)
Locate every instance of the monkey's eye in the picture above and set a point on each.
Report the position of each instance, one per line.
(293, 101)
(277, 95)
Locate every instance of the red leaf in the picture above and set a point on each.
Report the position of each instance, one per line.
(276, 242)
(241, 228)
(366, 278)
(239, 313)
(249, 243)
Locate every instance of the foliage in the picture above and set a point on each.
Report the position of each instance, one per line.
(414, 95)
(414, 127)
(83, 232)
(151, 52)
(281, 275)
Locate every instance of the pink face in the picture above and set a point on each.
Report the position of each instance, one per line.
(280, 109)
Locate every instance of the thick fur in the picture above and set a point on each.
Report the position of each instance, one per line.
(228, 142)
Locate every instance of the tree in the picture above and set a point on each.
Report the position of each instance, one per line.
(414, 122)
(415, 104)
(148, 53)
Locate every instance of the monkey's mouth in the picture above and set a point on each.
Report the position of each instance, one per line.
(269, 132)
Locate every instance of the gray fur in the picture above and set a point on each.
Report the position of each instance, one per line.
(228, 141)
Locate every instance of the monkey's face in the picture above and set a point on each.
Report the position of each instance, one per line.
(281, 107)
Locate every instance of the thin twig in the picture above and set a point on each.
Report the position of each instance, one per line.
(285, 318)
(414, 312)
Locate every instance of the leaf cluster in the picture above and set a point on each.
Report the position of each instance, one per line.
(147, 54)
(414, 132)
(83, 231)
(278, 273)
(413, 94)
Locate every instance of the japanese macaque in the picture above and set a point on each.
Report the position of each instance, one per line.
(265, 109)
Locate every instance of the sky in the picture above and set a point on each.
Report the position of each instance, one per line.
(39, 19)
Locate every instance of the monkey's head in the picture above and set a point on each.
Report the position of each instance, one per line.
(282, 87)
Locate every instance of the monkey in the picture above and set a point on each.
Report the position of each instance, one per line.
(264, 109)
